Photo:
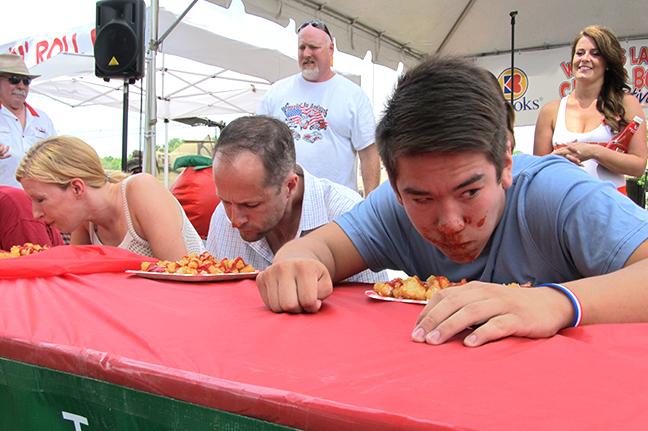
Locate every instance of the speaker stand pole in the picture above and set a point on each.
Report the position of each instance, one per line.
(513, 14)
(124, 162)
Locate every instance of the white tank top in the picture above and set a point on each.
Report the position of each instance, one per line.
(602, 133)
(137, 244)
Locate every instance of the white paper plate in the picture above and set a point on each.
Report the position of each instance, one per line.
(194, 278)
(374, 295)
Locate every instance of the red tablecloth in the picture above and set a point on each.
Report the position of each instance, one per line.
(351, 366)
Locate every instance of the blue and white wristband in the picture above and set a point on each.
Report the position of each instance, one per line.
(578, 310)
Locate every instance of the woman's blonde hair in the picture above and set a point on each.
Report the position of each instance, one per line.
(60, 159)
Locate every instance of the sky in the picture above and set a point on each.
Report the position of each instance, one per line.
(101, 127)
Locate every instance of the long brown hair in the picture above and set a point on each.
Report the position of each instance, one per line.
(615, 86)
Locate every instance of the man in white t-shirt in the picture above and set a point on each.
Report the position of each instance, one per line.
(331, 118)
(21, 125)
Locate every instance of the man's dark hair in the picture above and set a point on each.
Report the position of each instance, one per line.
(267, 137)
(443, 105)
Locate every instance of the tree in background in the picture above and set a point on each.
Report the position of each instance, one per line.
(173, 144)
(111, 163)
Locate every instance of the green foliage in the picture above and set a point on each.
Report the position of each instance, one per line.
(173, 144)
(111, 163)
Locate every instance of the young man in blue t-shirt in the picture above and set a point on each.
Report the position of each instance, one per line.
(458, 204)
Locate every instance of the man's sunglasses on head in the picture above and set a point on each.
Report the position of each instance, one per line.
(317, 24)
(15, 79)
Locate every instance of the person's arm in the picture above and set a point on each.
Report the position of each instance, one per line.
(369, 168)
(80, 236)
(617, 297)
(157, 217)
(545, 124)
(304, 270)
(633, 162)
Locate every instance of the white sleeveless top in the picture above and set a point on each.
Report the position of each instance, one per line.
(602, 133)
(136, 244)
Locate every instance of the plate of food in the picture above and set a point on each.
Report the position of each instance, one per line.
(195, 268)
(23, 250)
(374, 295)
(413, 290)
(194, 278)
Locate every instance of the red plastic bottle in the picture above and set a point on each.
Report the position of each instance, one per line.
(621, 141)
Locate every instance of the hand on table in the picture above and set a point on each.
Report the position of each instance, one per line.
(295, 286)
(501, 310)
(4, 152)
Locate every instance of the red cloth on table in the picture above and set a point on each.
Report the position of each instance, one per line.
(352, 366)
(196, 192)
(17, 224)
(72, 259)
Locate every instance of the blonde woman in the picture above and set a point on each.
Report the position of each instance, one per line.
(598, 109)
(70, 190)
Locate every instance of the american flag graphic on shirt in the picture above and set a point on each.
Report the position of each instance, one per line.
(305, 122)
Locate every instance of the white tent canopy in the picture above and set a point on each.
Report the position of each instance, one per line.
(407, 30)
(185, 88)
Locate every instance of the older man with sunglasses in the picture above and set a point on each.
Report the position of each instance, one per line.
(21, 125)
(331, 118)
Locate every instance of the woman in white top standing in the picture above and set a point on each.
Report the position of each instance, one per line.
(71, 191)
(598, 109)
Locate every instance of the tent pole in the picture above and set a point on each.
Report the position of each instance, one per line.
(513, 14)
(166, 128)
(166, 152)
(151, 103)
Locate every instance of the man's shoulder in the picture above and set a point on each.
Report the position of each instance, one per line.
(324, 200)
(529, 166)
(283, 82)
(34, 111)
(345, 86)
(319, 187)
(552, 181)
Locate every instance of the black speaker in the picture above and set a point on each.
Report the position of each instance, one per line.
(119, 39)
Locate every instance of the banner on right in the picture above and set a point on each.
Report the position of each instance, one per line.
(543, 76)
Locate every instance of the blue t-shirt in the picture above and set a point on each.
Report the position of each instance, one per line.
(559, 224)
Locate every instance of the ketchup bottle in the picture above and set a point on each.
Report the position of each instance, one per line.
(621, 141)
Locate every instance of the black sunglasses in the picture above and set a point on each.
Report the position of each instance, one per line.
(317, 24)
(15, 79)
